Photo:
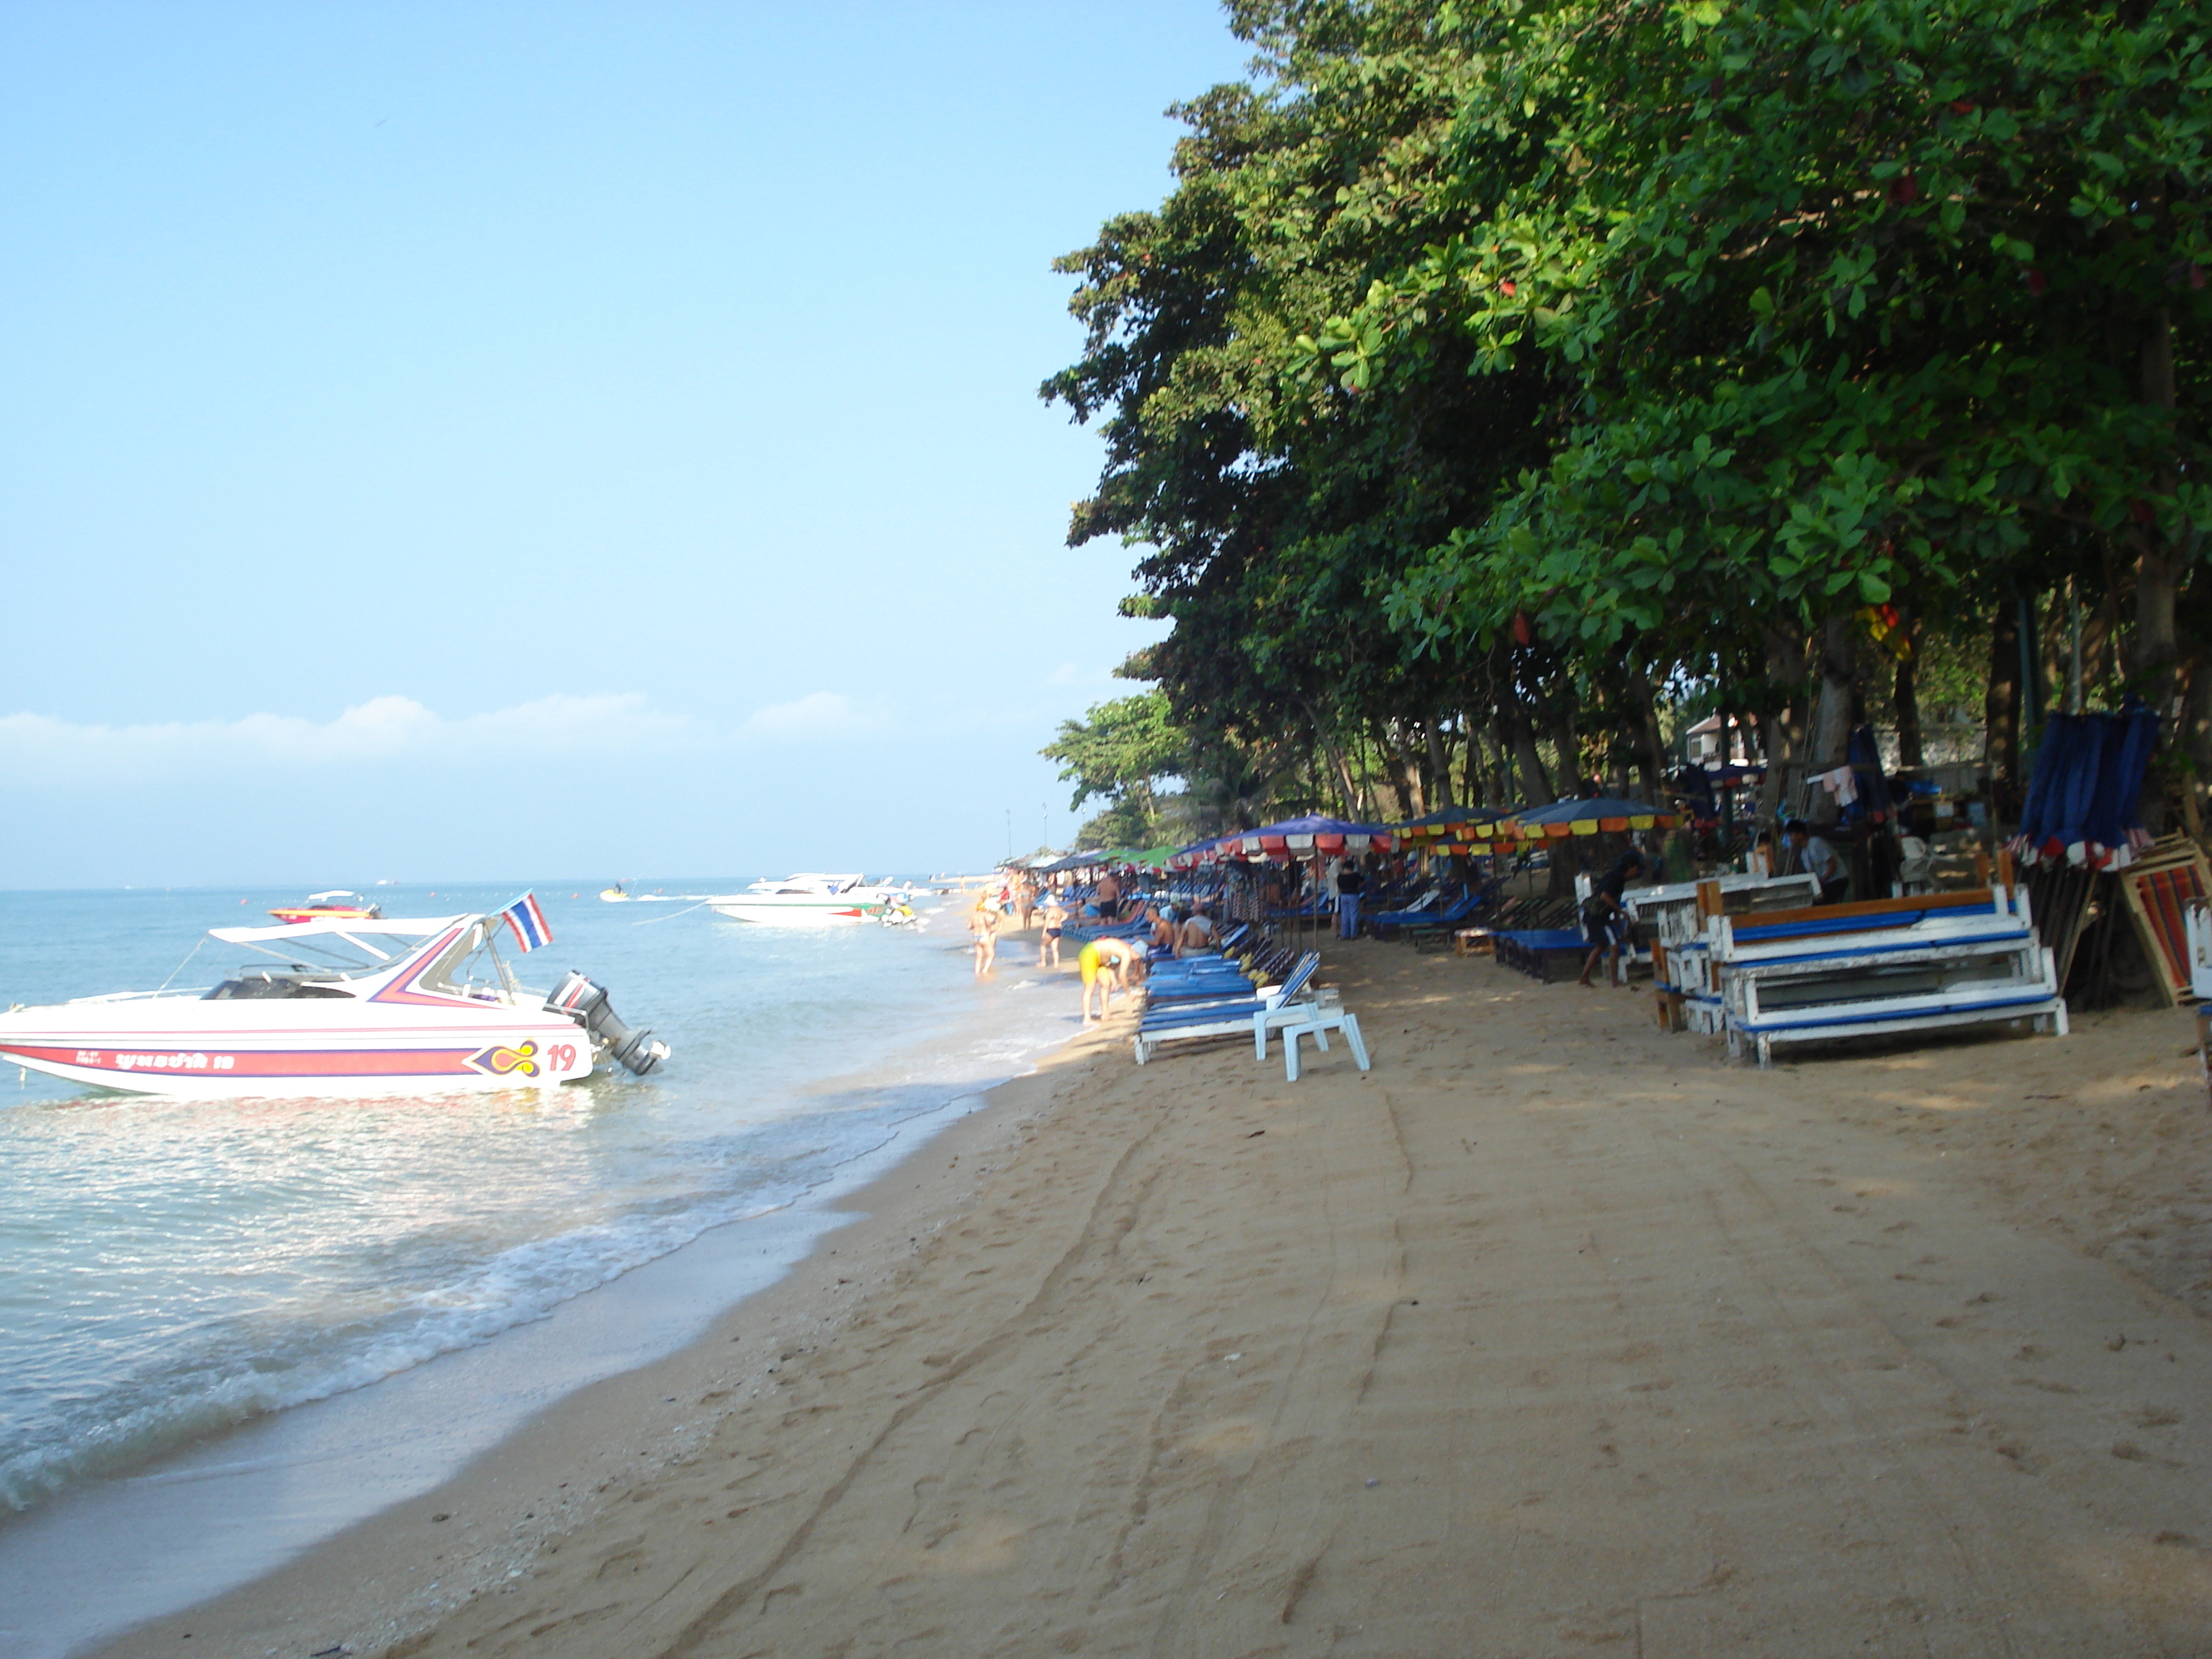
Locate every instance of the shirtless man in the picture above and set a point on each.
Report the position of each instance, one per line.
(983, 923)
(1108, 897)
(1110, 965)
(1164, 928)
(1197, 938)
(1055, 920)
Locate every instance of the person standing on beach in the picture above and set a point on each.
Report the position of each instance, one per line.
(1108, 896)
(1350, 884)
(1055, 920)
(983, 923)
(1110, 965)
(1605, 917)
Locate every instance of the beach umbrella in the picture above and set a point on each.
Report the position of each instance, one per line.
(1462, 824)
(1315, 834)
(1585, 815)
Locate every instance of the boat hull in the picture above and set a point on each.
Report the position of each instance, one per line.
(185, 1049)
(796, 913)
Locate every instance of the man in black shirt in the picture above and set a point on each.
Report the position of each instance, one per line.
(1605, 918)
(1350, 884)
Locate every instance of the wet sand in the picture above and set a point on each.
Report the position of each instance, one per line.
(1552, 1335)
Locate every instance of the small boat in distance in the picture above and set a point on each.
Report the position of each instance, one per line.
(615, 895)
(349, 1006)
(339, 903)
(810, 899)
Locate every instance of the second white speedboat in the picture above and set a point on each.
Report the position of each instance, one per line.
(808, 900)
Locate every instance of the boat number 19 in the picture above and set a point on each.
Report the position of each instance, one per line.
(559, 1057)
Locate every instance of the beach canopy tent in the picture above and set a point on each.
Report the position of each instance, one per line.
(2081, 800)
(1585, 815)
(1462, 824)
(1293, 838)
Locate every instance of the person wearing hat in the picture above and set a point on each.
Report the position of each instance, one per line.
(1605, 915)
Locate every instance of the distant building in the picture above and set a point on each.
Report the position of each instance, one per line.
(1701, 744)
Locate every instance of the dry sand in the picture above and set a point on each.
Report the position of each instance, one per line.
(1551, 1335)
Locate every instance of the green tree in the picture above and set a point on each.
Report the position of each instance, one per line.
(1121, 751)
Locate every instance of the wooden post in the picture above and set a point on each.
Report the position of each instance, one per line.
(1981, 866)
(2004, 870)
(1709, 899)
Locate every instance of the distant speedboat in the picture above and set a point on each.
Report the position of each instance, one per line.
(350, 1007)
(615, 895)
(338, 903)
(808, 900)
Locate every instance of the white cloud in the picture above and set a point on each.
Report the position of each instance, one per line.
(36, 750)
(817, 714)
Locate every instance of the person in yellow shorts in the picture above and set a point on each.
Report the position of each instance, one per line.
(1108, 965)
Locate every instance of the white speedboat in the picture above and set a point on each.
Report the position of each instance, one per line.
(360, 1007)
(809, 900)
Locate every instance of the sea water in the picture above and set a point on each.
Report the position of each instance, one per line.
(168, 1269)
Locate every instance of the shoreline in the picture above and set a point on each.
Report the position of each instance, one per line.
(1551, 1328)
(251, 1497)
(375, 1583)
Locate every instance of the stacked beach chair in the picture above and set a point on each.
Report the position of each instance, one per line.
(1670, 922)
(1932, 962)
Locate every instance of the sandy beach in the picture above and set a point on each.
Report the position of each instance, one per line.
(1552, 1335)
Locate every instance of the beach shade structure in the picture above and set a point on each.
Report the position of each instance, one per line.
(1293, 838)
(1585, 815)
(2081, 800)
(1457, 825)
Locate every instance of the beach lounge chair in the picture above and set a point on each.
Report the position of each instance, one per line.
(1405, 923)
(1279, 1005)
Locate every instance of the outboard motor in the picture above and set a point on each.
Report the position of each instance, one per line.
(586, 1003)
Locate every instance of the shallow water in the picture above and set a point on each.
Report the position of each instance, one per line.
(174, 1268)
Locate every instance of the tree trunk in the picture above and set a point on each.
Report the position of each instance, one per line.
(2001, 711)
(1831, 715)
(1535, 788)
(2158, 568)
(1909, 749)
(1440, 778)
(1354, 805)
(1654, 747)
(1403, 783)
(1786, 670)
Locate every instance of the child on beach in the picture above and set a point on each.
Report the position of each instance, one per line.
(983, 923)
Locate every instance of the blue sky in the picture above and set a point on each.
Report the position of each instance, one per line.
(469, 441)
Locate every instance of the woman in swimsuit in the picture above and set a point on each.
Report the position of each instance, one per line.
(1108, 965)
(983, 923)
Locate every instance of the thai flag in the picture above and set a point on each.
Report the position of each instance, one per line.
(531, 927)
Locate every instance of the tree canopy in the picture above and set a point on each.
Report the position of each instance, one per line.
(1494, 374)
